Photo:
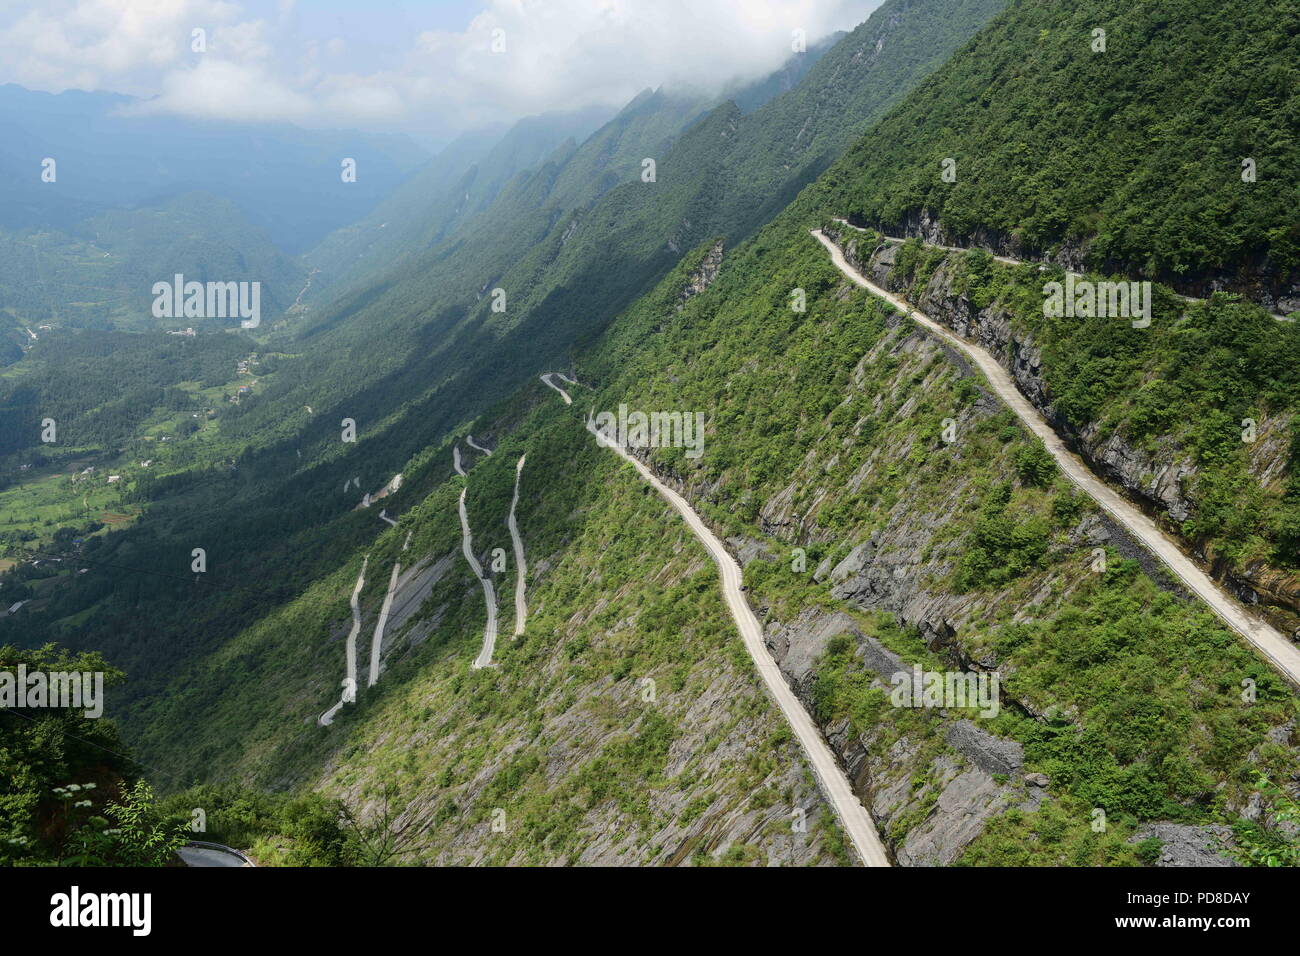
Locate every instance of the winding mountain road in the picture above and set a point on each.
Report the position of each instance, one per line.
(489, 592)
(853, 816)
(563, 394)
(1270, 642)
(1011, 261)
(455, 461)
(469, 440)
(201, 854)
(377, 640)
(350, 652)
(521, 565)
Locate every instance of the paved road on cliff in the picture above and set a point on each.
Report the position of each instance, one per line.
(1269, 641)
(852, 815)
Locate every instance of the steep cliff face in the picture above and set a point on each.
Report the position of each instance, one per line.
(1258, 280)
(955, 762)
(880, 502)
(702, 277)
(862, 546)
(1157, 475)
(932, 780)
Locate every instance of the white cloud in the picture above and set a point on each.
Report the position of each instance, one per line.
(558, 54)
(220, 89)
(580, 52)
(93, 44)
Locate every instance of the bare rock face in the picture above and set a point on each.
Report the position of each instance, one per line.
(1187, 845)
(702, 277)
(748, 550)
(1158, 478)
(991, 754)
(968, 799)
(930, 825)
(798, 647)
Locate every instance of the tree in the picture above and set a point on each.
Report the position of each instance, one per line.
(1035, 465)
(377, 841)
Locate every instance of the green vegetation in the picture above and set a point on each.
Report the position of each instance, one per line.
(627, 723)
(1208, 384)
(1126, 160)
(1156, 726)
(70, 797)
(1137, 150)
(413, 356)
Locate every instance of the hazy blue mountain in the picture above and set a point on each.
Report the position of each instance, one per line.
(460, 181)
(283, 179)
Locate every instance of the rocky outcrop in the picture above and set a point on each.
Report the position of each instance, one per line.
(703, 276)
(965, 784)
(1186, 845)
(991, 754)
(932, 781)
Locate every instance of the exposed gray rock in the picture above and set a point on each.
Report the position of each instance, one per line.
(748, 549)
(1037, 779)
(966, 803)
(1281, 734)
(968, 796)
(876, 657)
(703, 276)
(1187, 845)
(1254, 807)
(991, 754)
(854, 562)
(798, 646)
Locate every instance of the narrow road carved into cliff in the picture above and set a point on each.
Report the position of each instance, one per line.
(1010, 261)
(202, 853)
(1263, 636)
(853, 816)
(521, 565)
(350, 651)
(484, 658)
(377, 640)
(563, 394)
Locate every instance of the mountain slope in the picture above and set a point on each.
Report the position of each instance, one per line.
(460, 181)
(409, 361)
(1128, 159)
(1194, 415)
(565, 271)
(871, 545)
(889, 512)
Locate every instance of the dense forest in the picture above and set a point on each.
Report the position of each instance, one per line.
(1156, 142)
